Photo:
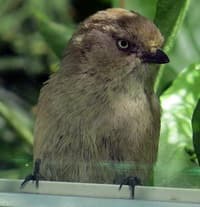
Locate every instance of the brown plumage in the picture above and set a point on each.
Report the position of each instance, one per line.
(98, 119)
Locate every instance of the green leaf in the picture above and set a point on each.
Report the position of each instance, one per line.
(16, 116)
(17, 121)
(144, 7)
(56, 35)
(169, 18)
(196, 130)
(178, 104)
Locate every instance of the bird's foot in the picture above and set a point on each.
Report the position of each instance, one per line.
(35, 176)
(132, 181)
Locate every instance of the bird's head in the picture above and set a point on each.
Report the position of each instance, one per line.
(116, 42)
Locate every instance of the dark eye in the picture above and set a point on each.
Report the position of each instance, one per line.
(123, 44)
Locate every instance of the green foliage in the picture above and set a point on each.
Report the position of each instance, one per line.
(169, 18)
(178, 104)
(196, 130)
(56, 35)
(145, 7)
(35, 34)
(17, 119)
(22, 55)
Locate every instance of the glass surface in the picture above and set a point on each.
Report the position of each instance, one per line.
(32, 36)
(117, 172)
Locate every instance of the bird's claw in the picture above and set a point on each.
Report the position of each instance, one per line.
(132, 181)
(33, 177)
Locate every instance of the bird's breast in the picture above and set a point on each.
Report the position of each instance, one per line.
(132, 125)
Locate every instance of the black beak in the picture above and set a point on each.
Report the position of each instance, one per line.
(159, 57)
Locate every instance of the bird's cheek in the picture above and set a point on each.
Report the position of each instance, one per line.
(134, 61)
(130, 63)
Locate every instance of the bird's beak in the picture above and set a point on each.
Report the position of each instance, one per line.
(159, 57)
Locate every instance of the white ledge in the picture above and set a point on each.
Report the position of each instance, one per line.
(66, 188)
(187, 195)
(103, 191)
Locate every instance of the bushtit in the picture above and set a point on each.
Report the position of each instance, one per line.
(98, 119)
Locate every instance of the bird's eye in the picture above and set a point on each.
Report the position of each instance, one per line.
(123, 44)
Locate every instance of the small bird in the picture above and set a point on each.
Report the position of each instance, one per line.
(98, 118)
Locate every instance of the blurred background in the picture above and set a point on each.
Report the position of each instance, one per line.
(32, 34)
